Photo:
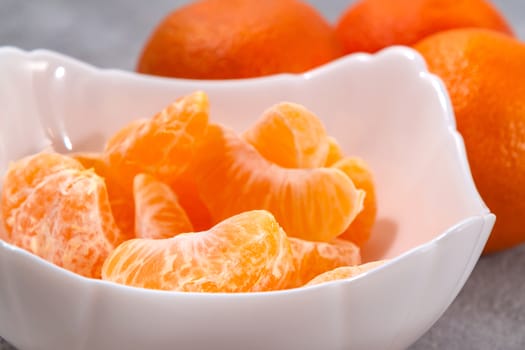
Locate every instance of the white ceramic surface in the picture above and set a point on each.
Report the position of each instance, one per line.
(385, 108)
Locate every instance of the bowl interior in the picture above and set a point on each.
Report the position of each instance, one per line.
(384, 108)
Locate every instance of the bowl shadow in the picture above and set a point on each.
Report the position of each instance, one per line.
(383, 236)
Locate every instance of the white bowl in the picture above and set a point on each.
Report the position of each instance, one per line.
(385, 108)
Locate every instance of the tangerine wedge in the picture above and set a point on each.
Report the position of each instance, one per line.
(335, 152)
(359, 172)
(67, 220)
(247, 252)
(92, 160)
(290, 135)
(344, 272)
(158, 213)
(191, 201)
(162, 146)
(121, 200)
(314, 204)
(21, 178)
(314, 258)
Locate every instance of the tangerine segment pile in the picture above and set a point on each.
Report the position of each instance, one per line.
(315, 204)
(291, 136)
(162, 146)
(344, 272)
(158, 213)
(314, 258)
(65, 216)
(177, 203)
(248, 252)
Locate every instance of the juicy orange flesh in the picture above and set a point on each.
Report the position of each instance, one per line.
(233, 177)
(246, 252)
(120, 198)
(25, 174)
(158, 213)
(66, 218)
(359, 172)
(344, 272)
(162, 146)
(290, 136)
(335, 152)
(314, 258)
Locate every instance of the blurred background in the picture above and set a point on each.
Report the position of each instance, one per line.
(111, 33)
(489, 312)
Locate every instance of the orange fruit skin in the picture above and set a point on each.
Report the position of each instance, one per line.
(315, 204)
(484, 73)
(358, 171)
(225, 39)
(158, 213)
(290, 136)
(344, 272)
(248, 252)
(371, 25)
(67, 220)
(313, 258)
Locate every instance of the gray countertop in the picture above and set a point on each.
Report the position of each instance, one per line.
(489, 312)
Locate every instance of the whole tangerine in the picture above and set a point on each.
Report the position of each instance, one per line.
(483, 71)
(225, 39)
(371, 25)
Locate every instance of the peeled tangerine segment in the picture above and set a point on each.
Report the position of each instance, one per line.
(67, 220)
(359, 172)
(190, 199)
(290, 135)
(248, 252)
(162, 146)
(314, 204)
(121, 199)
(158, 213)
(345, 272)
(23, 175)
(335, 152)
(314, 258)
